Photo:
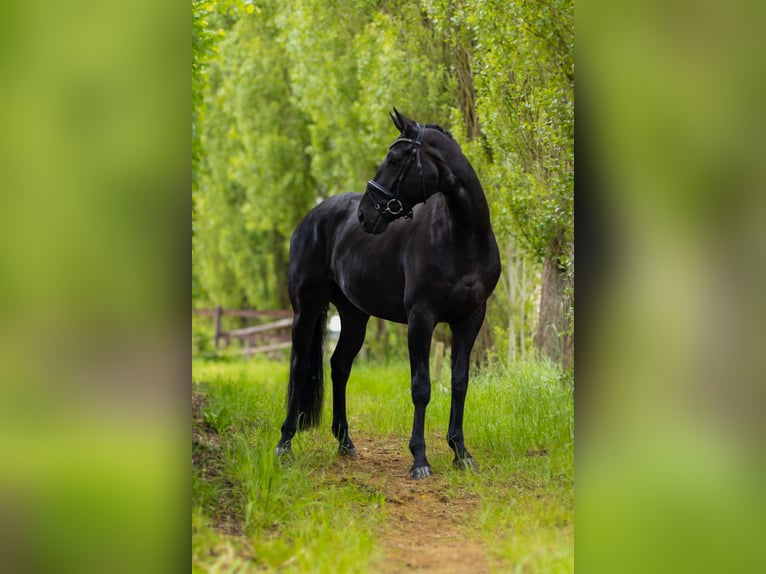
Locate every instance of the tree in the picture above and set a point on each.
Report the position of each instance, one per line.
(295, 110)
(514, 67)
(526, 105)
(255, 183)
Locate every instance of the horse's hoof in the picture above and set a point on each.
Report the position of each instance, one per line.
(466, 463)
(346, 450)
(418, 472)
(284, 451)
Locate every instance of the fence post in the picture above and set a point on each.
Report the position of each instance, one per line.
(218, 313)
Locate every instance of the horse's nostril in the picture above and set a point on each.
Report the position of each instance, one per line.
(361, 216)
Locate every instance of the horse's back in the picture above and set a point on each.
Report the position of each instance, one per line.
(312, 241)
(317, 225)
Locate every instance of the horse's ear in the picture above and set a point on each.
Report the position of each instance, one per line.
(396, 119)
(400, 121)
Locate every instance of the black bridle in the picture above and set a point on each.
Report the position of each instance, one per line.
(387, 202)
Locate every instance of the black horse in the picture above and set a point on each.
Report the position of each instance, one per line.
(437, 261)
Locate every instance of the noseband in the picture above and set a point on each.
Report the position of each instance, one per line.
(387, 202)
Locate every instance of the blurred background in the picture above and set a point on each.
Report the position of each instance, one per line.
(670, 373)
(94, 267)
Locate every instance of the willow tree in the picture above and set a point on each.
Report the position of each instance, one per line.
(513, 62)
(349, 64)
(525, 102)
(255, 182)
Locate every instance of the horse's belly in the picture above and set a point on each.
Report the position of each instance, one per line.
(378, 306)
(375, 294)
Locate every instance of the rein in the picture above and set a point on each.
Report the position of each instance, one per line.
(387, 202)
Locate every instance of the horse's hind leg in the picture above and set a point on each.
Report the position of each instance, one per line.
(305, 384)
(353, 327)
(463, 337)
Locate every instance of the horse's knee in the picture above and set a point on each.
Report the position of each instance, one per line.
(421, 392)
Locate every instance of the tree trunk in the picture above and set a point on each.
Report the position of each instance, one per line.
(511, 305)
(553, 339)
(466, 93)
(522, 314)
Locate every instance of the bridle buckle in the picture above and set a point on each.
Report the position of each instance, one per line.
(394, 206)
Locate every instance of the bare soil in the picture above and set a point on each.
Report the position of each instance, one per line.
(426, 528)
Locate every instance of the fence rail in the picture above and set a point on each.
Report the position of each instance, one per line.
(252, 313)
(264, 338)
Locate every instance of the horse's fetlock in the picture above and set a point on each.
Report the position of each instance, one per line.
(339, 430)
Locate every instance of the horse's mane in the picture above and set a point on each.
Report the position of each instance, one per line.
(440, 129)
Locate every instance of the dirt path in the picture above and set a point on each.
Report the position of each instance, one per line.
(425, 529)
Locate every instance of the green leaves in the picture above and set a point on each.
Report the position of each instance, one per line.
(295, 103)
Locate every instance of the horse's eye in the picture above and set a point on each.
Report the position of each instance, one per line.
(394, 161)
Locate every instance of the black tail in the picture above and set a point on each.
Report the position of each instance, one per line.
(310, 400)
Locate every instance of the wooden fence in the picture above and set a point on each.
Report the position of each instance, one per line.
(258, 338)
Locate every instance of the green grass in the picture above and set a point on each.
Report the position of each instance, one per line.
(251, 512)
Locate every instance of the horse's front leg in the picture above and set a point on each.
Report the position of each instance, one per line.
(420, 329)
(463, 337)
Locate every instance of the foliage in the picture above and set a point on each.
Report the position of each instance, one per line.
(294, 109)
(255, 184)
(201, 49)
(522, 73)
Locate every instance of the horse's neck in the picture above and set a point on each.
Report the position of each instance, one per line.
(468, 204)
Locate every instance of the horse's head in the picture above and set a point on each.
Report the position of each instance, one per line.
(401, 181)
